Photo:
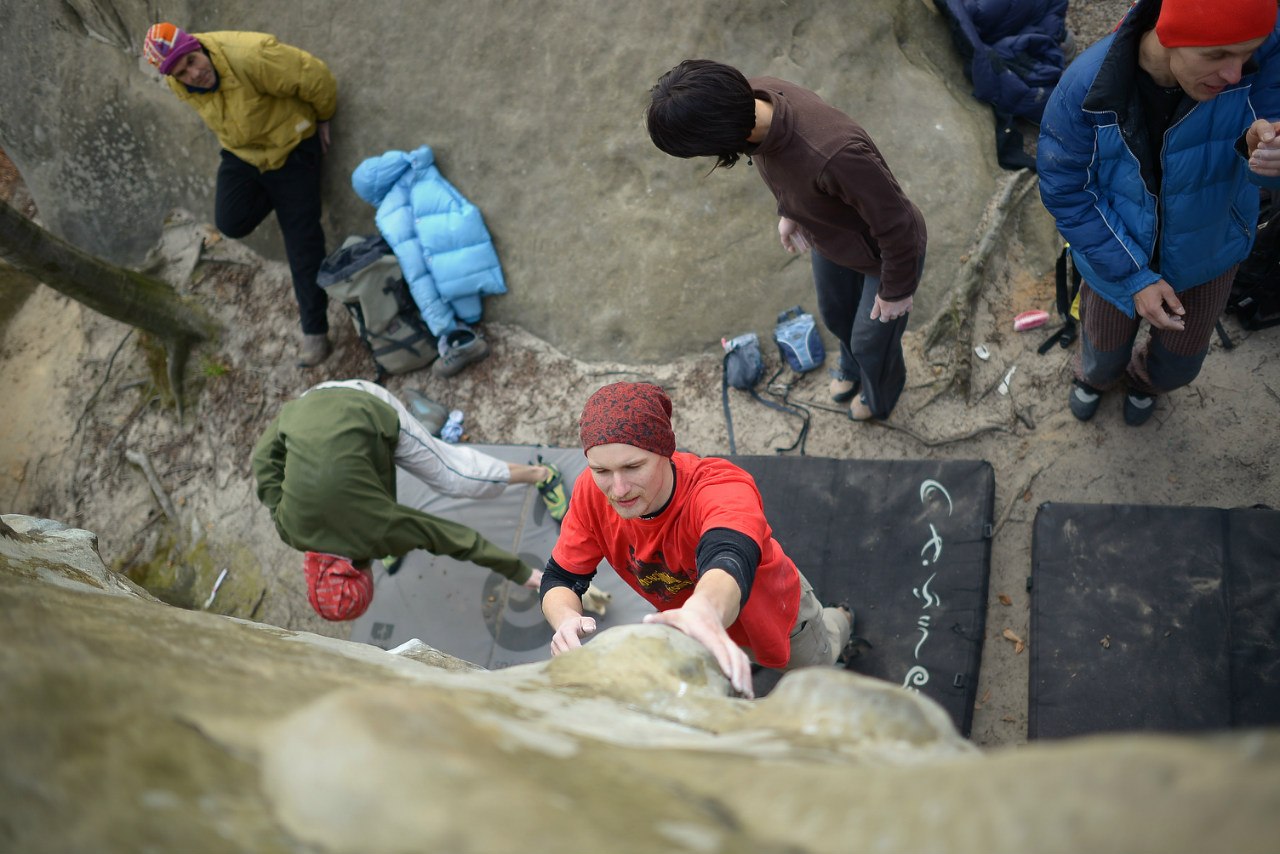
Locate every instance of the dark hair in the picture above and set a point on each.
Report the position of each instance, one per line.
(702, 108)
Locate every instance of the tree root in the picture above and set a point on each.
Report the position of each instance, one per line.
(955, 322)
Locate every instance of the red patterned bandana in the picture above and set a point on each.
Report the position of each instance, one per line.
(636, 414)
(335, 588)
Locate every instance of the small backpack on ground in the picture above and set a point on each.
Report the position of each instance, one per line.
(798, 340)
(365, 276)
(1255, 294)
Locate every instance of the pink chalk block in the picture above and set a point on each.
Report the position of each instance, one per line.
(1030, 320)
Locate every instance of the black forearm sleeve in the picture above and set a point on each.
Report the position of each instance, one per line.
(557, 576)
(732, 551)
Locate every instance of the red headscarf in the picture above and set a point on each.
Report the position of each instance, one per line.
(636, 414)
(335, 588)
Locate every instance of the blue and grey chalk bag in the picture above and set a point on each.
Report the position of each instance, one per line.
(798, 340)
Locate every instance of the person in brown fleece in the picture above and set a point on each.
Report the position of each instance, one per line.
(836, 197)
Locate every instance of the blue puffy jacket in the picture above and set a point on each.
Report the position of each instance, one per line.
(439, 237)
(1091, 155)
(1012, 50)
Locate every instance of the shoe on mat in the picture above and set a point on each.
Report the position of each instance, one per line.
(459, 348)
(1138, 408)
(1083, 400)
(858, 409)
(552, 491)
(842, 387)
(315, 349)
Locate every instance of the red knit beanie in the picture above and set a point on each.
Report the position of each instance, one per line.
(335, 588)
(1210, 23)
(636, 414)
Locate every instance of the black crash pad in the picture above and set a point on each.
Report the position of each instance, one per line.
(1153, 618)
(882, 536)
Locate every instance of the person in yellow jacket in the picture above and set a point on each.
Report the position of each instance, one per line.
(270, 105)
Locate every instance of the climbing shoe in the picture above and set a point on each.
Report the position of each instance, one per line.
(552, 491)
(1084, 400)
(1138, 408)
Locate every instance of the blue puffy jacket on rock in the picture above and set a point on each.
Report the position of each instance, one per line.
(1012, 50)
(439, 237)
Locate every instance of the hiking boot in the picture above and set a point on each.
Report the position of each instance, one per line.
(552, 491)
(842, 387)
(315, 349)
(858, 409)
(1138, 408)
(459, 348)
(1083, 400)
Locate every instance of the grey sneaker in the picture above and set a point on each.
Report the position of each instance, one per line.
(315, 349)
(1138, 408)
(459, 348)
(1084, 400)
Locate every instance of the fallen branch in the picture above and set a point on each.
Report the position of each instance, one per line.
(141, 460)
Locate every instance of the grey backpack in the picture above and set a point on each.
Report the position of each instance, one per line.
(365, 276)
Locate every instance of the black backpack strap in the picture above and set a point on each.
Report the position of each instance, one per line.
(1066, 285)
(724, 399)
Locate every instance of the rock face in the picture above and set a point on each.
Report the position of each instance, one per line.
(129, 725)
(612, 249)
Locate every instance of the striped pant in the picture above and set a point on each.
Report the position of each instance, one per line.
(1166, 359)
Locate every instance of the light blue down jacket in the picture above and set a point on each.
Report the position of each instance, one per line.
(439, 237)
(1091, 156)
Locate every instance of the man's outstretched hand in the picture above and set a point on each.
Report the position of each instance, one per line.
(700, 621)
(570, 632)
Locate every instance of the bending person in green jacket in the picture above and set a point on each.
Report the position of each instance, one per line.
(326, 469)
(269, 104)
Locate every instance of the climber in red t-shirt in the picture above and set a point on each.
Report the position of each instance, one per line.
(689, 535)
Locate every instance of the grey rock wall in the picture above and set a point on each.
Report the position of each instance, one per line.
(128, 725)
(612, 249)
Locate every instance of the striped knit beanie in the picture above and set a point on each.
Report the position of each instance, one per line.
(165, 44)
(636, 414)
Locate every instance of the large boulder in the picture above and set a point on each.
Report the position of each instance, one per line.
(129, 725)
(612, 249)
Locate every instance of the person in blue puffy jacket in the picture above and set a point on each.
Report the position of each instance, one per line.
(444, 249)
(1152, 151)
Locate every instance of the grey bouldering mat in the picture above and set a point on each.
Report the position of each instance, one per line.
(1153, 618)
(465, 610)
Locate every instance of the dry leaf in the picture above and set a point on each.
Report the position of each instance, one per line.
(1106, 641)
(1018, 643)
(1005, 600)
(986, 696)
(1009, 719)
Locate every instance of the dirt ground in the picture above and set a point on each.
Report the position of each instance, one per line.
(79, 392)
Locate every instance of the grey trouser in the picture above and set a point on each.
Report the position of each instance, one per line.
(819, 634)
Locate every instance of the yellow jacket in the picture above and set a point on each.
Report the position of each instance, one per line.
(269, 96)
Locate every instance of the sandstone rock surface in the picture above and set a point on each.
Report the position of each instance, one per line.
(129, 725)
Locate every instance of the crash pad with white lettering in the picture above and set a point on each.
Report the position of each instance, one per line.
(907, 544)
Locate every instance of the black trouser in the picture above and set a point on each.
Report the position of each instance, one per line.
(246, 195)
(870, 351)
